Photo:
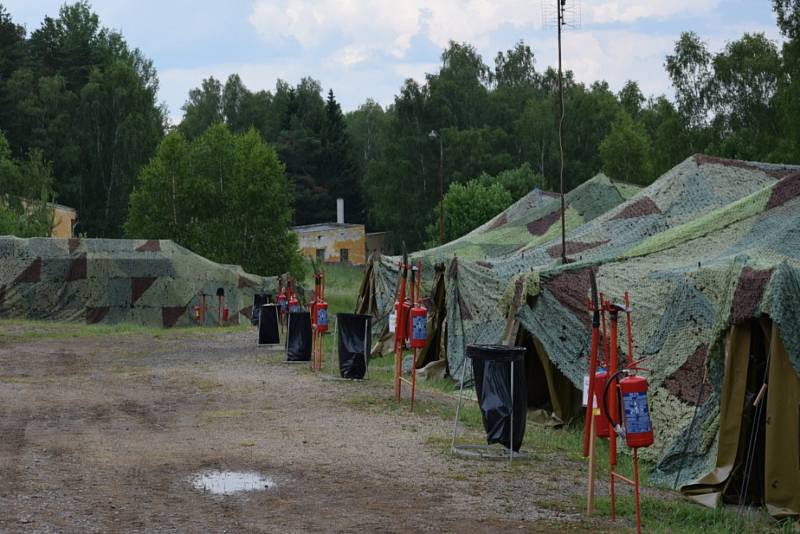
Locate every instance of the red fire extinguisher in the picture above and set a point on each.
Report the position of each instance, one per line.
(419, 326)
(197, 313)
(320, 310)
(636, 427)
(419, 314)
(635, 411)
(294, 304)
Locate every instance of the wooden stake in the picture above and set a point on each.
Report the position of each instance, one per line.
(590, 491)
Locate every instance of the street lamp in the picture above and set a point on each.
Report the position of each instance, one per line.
(435, 135)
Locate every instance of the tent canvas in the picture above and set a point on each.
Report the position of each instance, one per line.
(691, 287)
(149, 282)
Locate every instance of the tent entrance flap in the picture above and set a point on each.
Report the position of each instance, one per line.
(549, 390)
(758, 457)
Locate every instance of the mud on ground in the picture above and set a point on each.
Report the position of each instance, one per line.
(102, 434)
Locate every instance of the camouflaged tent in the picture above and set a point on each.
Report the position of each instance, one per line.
(155, 283)
(535, 218)
(717, 314)
(479, 293)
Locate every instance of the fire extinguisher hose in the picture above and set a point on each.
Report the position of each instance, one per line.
(615, 425)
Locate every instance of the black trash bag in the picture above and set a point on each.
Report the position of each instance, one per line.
(491, 366)
(259, 299)
(298, 337)
(355, 335)
(268, 327)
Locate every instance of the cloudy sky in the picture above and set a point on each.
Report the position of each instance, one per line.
(366, 48)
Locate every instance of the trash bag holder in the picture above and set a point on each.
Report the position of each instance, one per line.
(479, 355)
(339, 344)
(298, 337)
(268, 326)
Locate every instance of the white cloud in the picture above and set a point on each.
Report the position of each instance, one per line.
(607, 11)
(387, 26)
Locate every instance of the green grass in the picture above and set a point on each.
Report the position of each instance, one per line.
(668, 515)
(341, 286)
(561, 449)
(17, 330)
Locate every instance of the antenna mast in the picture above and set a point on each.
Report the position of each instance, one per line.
(561, 15)
(560, 23)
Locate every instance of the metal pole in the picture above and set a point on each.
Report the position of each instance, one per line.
(511, 439)
(441, 190)
(636, 489)
(335, 348)
(366, 348)
(560, 9)
(458, 406)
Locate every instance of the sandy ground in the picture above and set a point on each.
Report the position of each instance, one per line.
(102, 434)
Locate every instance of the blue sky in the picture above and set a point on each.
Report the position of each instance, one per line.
(366, 48)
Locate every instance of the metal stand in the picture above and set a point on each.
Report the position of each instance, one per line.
(485, 452)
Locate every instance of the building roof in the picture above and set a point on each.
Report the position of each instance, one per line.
(324, 226)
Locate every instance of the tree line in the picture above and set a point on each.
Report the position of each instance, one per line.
(75, 95)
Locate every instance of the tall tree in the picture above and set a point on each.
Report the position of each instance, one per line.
(222, 195)
(341, 176)
(203, 108)
(625, 152)
(691, 72)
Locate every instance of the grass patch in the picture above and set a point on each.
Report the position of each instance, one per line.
(28, 380)
(20, 330)
(130, 371)
(341, 286)
(224, 414)
(662, 515)
(204, 384)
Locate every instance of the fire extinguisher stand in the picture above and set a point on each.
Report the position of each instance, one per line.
(613, 409)
(399, 326)
(319, 316)
(589, 423)
(413, 332)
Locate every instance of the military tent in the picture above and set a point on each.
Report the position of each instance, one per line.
(717, 315)
(151, 282)
(533, 219)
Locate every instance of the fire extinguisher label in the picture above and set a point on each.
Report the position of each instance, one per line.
(637, 415)
(585, 397)
(322, 317)
(392, 322)
(420, 327)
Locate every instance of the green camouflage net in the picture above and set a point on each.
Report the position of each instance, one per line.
(479, 293)
(156, 283)
(533, 219)
(687, 287)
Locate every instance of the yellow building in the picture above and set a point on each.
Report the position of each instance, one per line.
(337, 242)
(333, 242)
(64, 219)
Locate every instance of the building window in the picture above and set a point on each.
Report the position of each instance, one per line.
(344, 255)
(320, 254)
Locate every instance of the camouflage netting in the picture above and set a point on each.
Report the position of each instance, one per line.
(712, 243)
(534, 218)
(155, 283)
(480, 294)
(688, 286)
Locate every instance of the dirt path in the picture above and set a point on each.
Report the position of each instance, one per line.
(103, 434)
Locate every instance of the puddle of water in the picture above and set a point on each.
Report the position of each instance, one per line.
(228, 482)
